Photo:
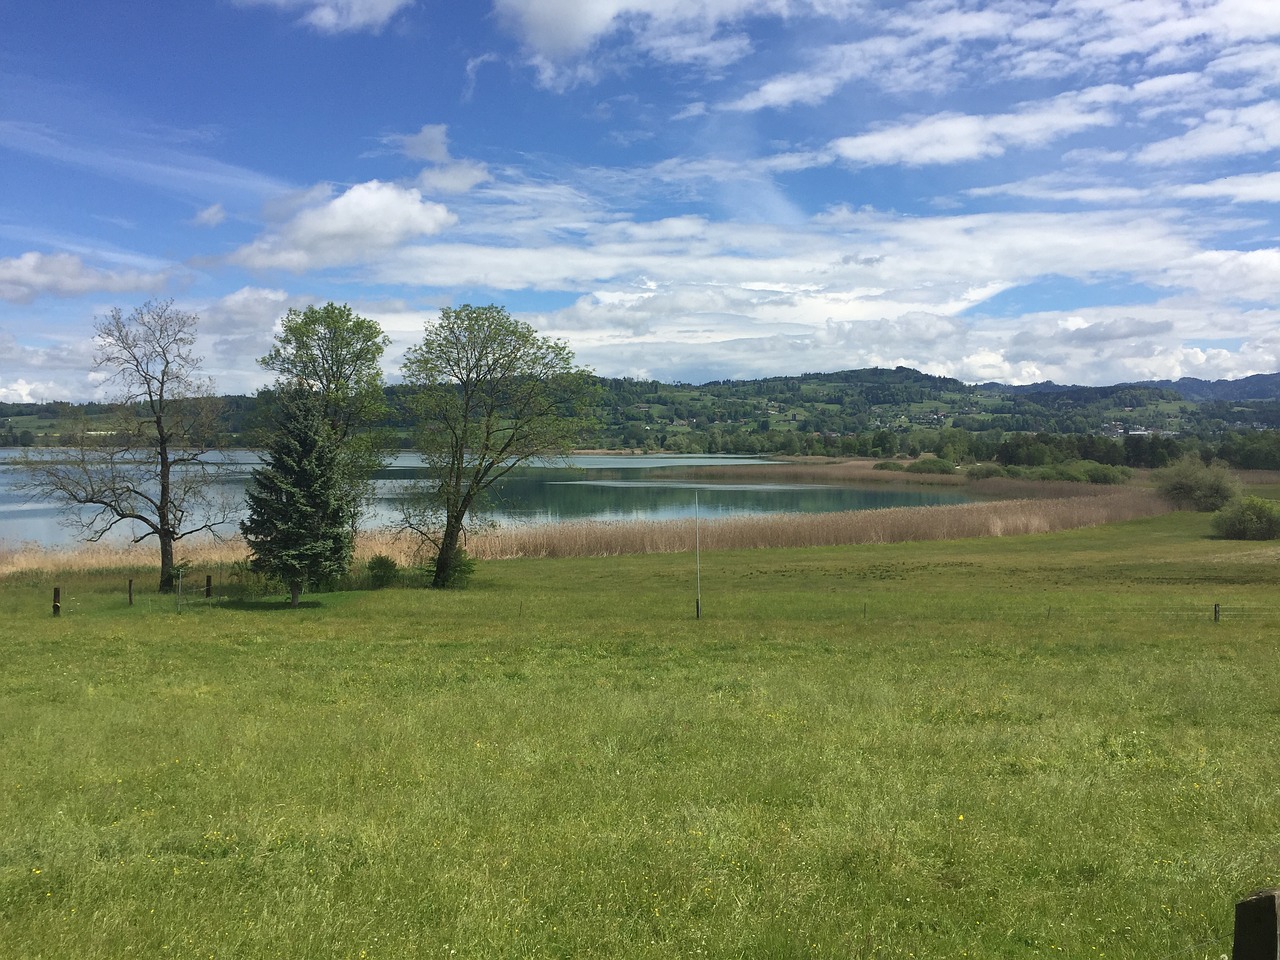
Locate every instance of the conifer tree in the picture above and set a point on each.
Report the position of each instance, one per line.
(298, 527)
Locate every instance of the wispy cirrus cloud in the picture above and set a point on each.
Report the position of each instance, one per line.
(952, 138)
(338, 16)
(183, 173)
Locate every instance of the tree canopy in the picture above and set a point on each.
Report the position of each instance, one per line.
(336, 353)
(489, 393)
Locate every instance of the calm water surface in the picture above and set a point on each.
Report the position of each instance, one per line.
(584, 488)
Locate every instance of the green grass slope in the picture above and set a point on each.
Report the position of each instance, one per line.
(1037, 746)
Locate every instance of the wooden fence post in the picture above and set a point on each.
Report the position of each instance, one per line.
(208, 585)
(57, 601)
(1257, 934)
(131, 591)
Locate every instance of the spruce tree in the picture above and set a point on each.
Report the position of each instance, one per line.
(298, 527)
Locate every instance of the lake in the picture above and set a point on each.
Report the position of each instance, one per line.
(585, 487)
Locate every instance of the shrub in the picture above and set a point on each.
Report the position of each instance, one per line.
(460, 570)
(1190, 483)
(984, 471)
(383, 571)
(931, 465)
(1248, 518)
(1066, 472)
(1104, 473)
(888, 465)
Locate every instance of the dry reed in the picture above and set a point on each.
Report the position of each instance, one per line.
(992, 519)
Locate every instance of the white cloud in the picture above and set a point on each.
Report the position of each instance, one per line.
(1222, 133)
(210, 216)
(366, 220)
(457, 177)
(558, 35)
(952, 138)
(939, 45)
(1232, 275)
(1060, 188)
(445, 174)
(339, 16)
(22, 391)
(1242, 188)
(430, 143)
(33, 274)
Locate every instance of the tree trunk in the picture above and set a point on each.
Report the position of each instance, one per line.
(295, 591)
(448, 549)
(167, 580)
(163, 511)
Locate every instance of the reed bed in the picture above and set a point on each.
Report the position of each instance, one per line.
(999, 518)
(893, 525)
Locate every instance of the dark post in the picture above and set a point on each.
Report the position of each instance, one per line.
(131, 591)
(208, 585)
(57, 601)
(1256, 935)
(1217, 613)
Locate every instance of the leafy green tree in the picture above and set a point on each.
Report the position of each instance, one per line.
(337, 354)
(489, 394)
(298, 529)
(1192, 483)
(149, 461)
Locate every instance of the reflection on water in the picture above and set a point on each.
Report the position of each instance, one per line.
(583, 488)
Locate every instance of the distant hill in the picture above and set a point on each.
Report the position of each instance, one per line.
(1262, 386)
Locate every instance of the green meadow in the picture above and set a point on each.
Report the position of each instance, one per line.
(1037, 746)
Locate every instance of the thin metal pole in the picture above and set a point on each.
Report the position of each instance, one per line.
(697, 555)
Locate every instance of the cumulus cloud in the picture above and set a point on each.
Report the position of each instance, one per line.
(367, 219)
(23, 391)
(34, 274)
(338, 16)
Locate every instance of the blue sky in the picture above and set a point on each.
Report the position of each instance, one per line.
(1019, 190)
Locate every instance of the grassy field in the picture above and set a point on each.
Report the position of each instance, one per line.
(1027, 746)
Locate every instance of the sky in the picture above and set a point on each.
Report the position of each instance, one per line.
(1083, 191)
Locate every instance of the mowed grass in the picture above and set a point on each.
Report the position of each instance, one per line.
(1028, 746)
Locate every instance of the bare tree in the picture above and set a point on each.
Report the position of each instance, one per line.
(149, 462)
